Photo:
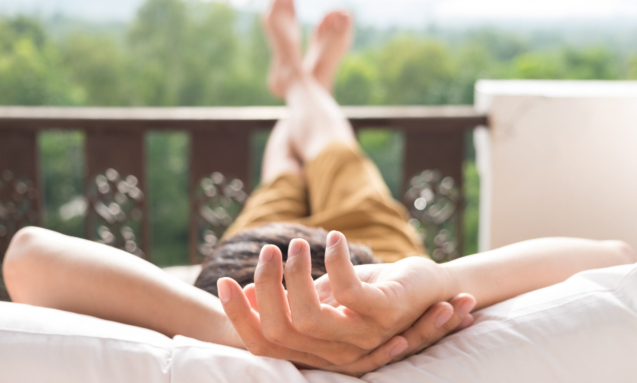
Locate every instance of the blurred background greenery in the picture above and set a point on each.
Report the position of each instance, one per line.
(198, 53)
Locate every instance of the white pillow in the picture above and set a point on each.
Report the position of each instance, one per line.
(582, 330)
(45, 345)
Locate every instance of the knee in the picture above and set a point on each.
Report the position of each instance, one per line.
(623, 250)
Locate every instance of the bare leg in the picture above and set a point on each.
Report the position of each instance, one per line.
(278, 157)
(330, 41)
(315, 118)
(47, 269)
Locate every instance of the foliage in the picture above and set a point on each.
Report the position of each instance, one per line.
(63, 177)
(98, 67)
(472, 198)
(29, 66)
(415, 72)
(357, 82)
(193, 52)
(167, 174)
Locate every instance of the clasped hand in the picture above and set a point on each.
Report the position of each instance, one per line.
(352, 320)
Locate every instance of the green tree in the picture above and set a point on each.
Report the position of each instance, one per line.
(596, 63)
(167, 159)
(155, 40)
(538, 65)
(415, 71)
(62, 170)
(471, 62)
(98, 66)
(632, 67)
(29, 66)
(186, 53)
(357, 82)
(21, 27)
(499, 46)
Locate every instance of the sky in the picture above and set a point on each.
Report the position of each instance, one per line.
(378, 13)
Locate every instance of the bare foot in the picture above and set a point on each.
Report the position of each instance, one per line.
(331, 39)
(283, 34)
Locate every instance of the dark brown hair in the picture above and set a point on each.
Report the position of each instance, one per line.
(237, 257)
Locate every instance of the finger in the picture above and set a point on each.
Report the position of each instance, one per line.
(305, 307)
(269, 290)
(347, 288)
(376, 359)
(308, 315)
(251, 294)
(276, 323)
(246, 323)
(466, 322)
(438, 321)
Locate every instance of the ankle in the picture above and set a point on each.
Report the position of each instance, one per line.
(300, 79)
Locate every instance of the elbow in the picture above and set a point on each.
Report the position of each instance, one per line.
(19, 256)
(623, 251)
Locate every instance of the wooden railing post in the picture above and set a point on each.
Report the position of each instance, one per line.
(20, 189)
(443, 154)
(218, 156)
(115, 187)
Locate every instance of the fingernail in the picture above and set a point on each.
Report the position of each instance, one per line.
(225, 292)
(266, 255)
(397, 349)
(442, 318)
(466, 308)
(295, 248)
(333, 238)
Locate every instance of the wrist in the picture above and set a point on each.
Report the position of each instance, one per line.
(435, 280)
(231, 337)
(459, 277)
(218, 329)
(450, 281)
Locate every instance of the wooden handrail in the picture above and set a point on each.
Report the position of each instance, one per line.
(408, 117)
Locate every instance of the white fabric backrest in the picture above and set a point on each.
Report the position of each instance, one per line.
(558, 159)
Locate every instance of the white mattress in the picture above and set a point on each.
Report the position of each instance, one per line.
(582, 330)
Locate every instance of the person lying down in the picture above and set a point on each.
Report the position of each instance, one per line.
(359, 291)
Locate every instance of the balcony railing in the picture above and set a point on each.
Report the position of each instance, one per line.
(115, 182)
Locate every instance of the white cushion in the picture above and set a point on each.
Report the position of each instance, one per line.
(45, 345)
(582, 330)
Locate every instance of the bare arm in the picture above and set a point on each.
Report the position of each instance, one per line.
(48, 269)
(500, 274)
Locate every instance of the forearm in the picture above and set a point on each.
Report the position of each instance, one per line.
(500, 274)
(48, 269)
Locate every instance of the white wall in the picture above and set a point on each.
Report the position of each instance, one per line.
(559, 159)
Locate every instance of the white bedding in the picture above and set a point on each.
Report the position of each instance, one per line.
(582, 330)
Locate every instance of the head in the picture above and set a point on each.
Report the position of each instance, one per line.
(237, 257)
